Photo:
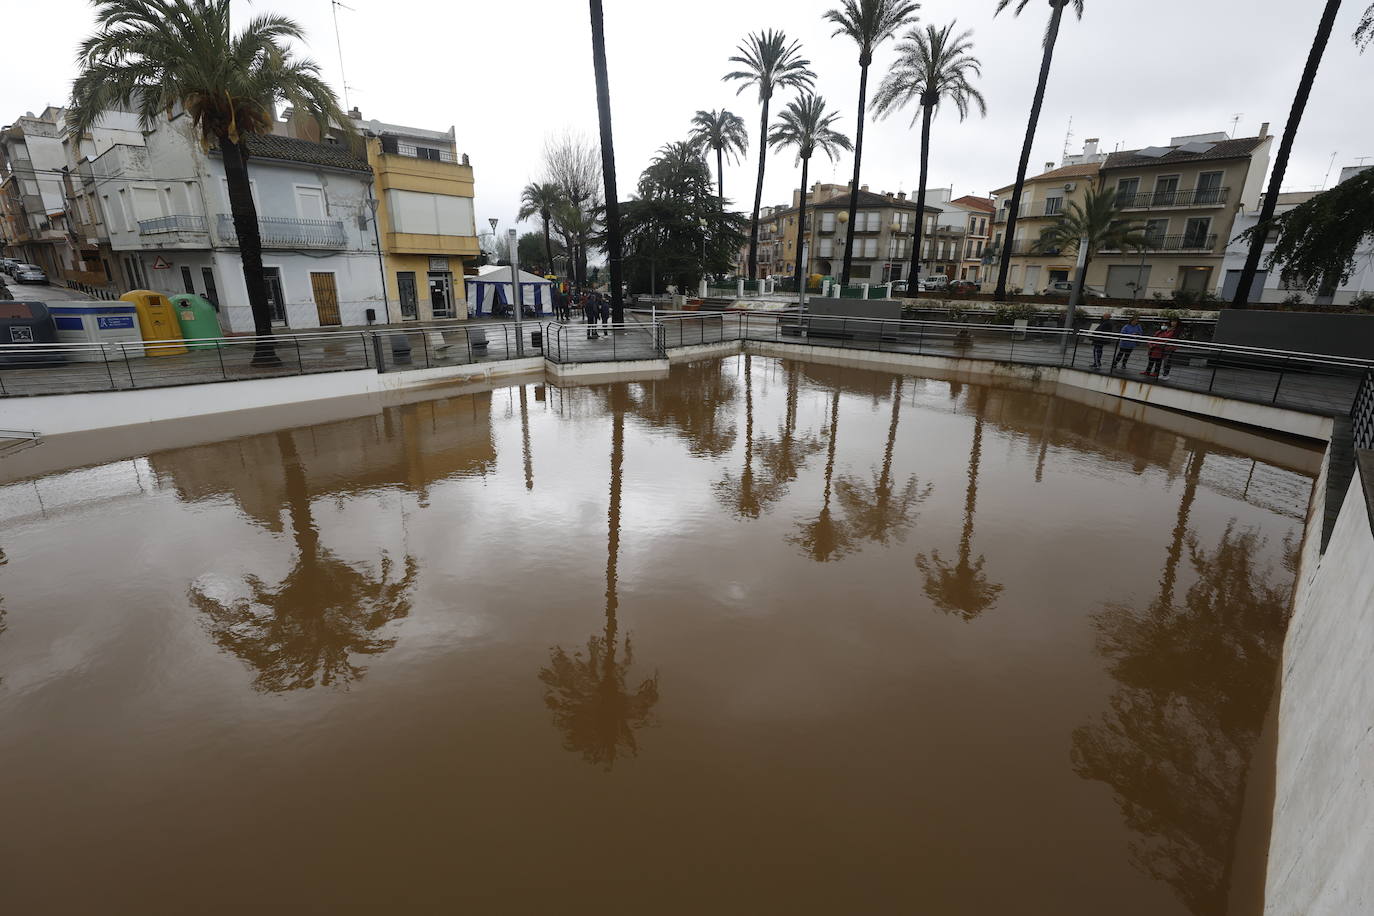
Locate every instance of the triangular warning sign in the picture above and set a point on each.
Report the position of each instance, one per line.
(161, 263)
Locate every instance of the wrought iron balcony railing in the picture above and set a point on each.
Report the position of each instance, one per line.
(1193, 242)
(1186, 197)
(180, 222)
(288, 232)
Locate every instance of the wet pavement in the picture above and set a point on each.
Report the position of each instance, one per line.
(760, 636)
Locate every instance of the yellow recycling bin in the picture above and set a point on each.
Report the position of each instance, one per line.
(157, 322)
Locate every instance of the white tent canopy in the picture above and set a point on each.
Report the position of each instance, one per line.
(490, 292)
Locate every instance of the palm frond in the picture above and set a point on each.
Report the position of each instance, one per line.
(770, 62)
(868, 23)
(933, 65)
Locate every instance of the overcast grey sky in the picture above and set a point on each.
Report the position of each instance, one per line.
(505, 73)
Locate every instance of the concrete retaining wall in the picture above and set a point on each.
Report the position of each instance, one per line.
(1322, 841)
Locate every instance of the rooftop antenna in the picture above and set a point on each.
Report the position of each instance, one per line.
(1327, 176)
(1361, 160)
(1235, 122)
(338, 42)
(1068, 135)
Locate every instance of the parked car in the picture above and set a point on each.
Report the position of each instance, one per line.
(29, 273)
(963, 286)
(898, 286)
(1065, 288)
(935, 282)
(8, 265)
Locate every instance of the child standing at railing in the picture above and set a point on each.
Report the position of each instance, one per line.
(1126, 346)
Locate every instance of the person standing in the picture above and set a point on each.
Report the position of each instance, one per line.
(1100, 340)
(590, 312)
(1161, 354)
(604, 303)
(1126, 346)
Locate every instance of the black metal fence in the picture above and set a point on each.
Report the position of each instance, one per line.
(1362, 413)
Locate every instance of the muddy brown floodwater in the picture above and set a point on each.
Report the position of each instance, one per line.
(757, 637)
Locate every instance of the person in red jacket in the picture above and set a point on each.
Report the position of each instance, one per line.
(1162, 354)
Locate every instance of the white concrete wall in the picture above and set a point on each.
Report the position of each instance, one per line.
(1321, 851)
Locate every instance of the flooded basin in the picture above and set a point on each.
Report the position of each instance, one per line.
(757, 637)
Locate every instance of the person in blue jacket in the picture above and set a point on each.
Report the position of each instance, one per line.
(1126, 346)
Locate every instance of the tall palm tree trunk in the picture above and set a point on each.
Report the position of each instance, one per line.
(603, 108)
(1290, 130)
(854, 185)
(758, 194)
(245, 215)
(1014, 206)
(720, 173)
(802, 232)
(914, 276)
(548, 243)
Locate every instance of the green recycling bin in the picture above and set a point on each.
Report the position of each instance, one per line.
(198, 318)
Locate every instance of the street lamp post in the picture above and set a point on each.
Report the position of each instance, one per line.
(372, 204)
(516, 306)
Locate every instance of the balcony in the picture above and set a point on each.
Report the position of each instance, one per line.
(1175, 244)
(181, 222)
(1001, 216)
(1159, 200)
(393, 147)
(121, 161)
(288, 232)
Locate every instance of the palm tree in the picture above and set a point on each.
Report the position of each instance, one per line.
(1364, 32)
(880, 509)
(1096, 222)
(306, 631)
(603, 109)
(543, 198)
(963, 589)
(723, 132)
(805, 124)
(771, 63)
(1290, 130)
(932, 66)
(590, 699)
(1051, 36)
(153, 56)
(869, 23)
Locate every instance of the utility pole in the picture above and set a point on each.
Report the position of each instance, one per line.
(516, 305)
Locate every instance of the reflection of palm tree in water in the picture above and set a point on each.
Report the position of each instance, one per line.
(1194, 685)
(741, 495)
(3, 561)
(826, 538)
(963, 589)
(877, 510)
(307, 630)
(588, 694)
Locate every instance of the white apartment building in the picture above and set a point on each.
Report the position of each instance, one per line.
(1269, 285)
(166, 209)
(32, 199)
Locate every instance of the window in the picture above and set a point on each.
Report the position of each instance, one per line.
(828, 221)
(1166, 190)
(860, 272)
(1126, 190)
(904, 222)
(870, 248)
(1156, 229)
(1195, 232)
(310, 203)
(186, 280)
(1209, 188)
(125, 214)
(1054, 205)
(430, 214)
(423, 152)
(405, 290)
(827, 248)
(276, 298)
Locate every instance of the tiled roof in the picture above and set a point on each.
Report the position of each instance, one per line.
(975, 203)
(1083, 170)
(867, 200)
(1224, 149)
(289, 149)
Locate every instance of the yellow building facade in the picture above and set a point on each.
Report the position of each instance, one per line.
(425, 219)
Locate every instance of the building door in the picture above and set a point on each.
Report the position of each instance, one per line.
(1032, 284)
(1127, 281)
(186, 280)
(326, 298)
(441, 293)
(1231, 281)
(1194, 279)
(207, 276)
(276, 300)
(1209, 188)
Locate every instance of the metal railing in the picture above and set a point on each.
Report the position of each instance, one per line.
(1362, 413)
(427, 153)
(1186, 197)
(1168, 243)
(1308, 382)
(288, 232)
(69, 368)
(596, 343)
(179, 222)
